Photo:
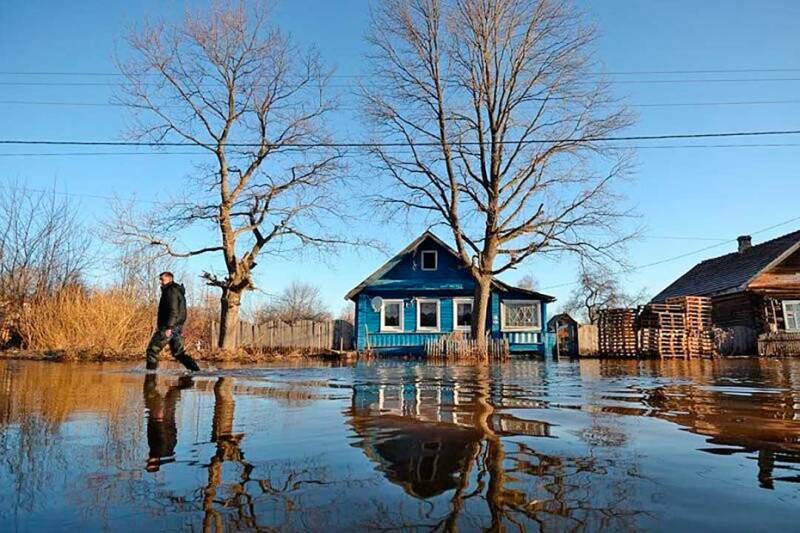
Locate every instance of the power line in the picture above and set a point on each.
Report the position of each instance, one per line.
(350, 85)
(157, 202)
(646, 104)
(683, 255)
(363, 144)
(608, 73)
(195, 153)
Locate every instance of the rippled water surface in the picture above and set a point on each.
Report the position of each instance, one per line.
(531, 445)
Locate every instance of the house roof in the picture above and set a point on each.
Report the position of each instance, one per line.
(374, 279)
(731, 272)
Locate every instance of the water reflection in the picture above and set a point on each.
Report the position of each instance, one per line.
(162, 431)
(525, 445)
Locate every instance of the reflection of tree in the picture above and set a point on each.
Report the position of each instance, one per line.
(227, 450)
(235, 505)
(516, 483)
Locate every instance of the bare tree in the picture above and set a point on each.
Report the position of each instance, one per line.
(137, 268)
(498, 121)
(527, 282)
(234, 87)
(599, 288)
(348, 312)
(43, 244)
(298, 301)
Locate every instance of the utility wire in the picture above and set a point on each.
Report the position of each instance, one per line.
(357, 76)
(644, 105)
(197, 152)
(350, 85)
(363, 144)
(157, 202)
(683, 255)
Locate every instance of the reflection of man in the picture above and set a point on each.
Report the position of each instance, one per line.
(162, 431)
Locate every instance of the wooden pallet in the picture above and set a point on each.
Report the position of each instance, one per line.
(617, 332)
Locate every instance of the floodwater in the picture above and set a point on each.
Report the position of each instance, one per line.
(527, 445)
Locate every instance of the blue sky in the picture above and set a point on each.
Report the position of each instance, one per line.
(686, 196)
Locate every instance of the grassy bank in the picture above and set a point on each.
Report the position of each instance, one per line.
(216, 356)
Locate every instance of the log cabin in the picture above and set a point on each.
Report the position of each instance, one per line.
(755, 290)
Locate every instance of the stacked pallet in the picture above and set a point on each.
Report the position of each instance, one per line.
(617, 332)
(697, 310)
(700, 338)
(662, 330)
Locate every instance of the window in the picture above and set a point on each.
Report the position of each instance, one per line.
(521, 315)
(430, 260)
(427, 315)
(392, 315)
(462, 314)
(791, 314)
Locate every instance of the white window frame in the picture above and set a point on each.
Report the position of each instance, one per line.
(796, 315)
(536, 303)
(438, 303)
(384, 327)
(457, 301)
(435, 260)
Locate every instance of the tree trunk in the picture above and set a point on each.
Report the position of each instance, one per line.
(228, 318)
(480, 310)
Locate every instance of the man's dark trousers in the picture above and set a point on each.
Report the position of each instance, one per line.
(176, 347)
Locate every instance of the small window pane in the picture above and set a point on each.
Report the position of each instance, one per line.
(429, 260)
(792, 315)
(391, 315)
(428, 315)
(521, 315)
(464, 314)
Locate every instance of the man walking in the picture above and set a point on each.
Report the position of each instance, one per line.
(171, 317)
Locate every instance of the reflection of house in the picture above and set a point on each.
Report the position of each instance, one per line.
(422, 433)
(424, 293)
(756, 288)
(424, 458)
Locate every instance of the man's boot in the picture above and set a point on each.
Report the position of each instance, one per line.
(188, 362)
(151, 365)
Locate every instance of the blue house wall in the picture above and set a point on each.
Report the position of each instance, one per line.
(403, 278)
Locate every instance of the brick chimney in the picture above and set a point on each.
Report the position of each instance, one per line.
(745, 242)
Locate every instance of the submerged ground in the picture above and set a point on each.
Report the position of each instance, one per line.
(611, 445)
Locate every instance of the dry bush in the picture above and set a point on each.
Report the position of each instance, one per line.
(77, 321)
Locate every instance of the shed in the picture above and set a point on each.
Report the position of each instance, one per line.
(564, 330)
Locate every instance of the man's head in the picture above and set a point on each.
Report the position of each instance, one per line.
(165, 278)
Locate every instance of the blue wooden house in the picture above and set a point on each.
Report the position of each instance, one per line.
(424, 292)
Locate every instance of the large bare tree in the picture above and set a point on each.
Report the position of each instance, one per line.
(497, 118)
(230, 84)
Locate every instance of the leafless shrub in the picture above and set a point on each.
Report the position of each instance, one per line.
(298, 301)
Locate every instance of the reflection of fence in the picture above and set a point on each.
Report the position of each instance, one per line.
(304, 334)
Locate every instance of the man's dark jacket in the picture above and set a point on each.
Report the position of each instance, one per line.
(172, 306)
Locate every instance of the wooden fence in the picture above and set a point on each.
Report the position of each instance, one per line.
(456, 346)
(588, 340)
(779, 344)
(306, 335)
